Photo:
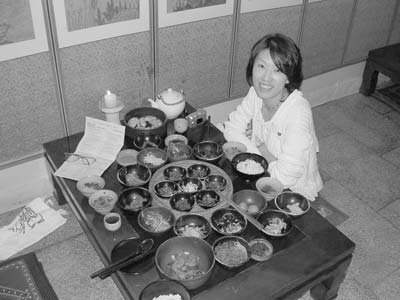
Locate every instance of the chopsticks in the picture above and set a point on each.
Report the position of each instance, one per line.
(249, 218)
(107, 271)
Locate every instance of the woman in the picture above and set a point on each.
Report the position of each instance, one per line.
(280, 119)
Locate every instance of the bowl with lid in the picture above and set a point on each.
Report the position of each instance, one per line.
(145, 120)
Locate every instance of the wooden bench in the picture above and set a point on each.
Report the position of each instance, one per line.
(385, 60)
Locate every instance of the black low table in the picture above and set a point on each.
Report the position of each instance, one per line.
(385, 60)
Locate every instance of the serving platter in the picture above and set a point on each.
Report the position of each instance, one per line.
(215, 170)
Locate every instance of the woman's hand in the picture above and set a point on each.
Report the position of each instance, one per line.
(264, 152)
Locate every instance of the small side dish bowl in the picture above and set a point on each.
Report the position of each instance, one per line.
(192, 225)
(250, 202)
(207, 198)
(174, 173)
(293, 204)
(231, 251)
(228, 221)
(232, 148)
(156, 220)
(153, 158)
(173, 138)
(133, 175)
(103, 201)
(216, 182)
(269, 187)
(133, 200)
(249, 166)
(173, 255)
(208, 151)
(147, 140)
(177, 151)
(89, 184)
(159, 289)
(127, 157)
(276, 223)
(198, 171)
(182, 202)
(190, 185)
(261, 249)
(166, 188)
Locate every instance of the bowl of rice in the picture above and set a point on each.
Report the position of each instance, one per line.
(156, 220)
(249, 166)
(231, 251)
(164, 290)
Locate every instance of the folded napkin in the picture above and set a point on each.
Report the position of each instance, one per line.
(35, 221)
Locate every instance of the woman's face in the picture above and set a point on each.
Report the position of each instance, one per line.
(268, 81)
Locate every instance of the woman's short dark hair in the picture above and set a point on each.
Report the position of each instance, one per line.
(284, 53)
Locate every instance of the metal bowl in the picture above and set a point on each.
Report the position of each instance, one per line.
(251, 202)
(153, 158)
(198, 171)
(133, 175)
(231, 251)
(293, 204)
(190, 185)
(172, 252)
(192, 225)
(216, 182)
(279, 223)
(140, 112)
(182, 202)
(179, 151)
(228, 221)
(208, 151)
(147, 140)
(156, 220)
(164, 287)
(174, 173)
(207, 198)
(133, 200)
(252, 158)
(166, 189)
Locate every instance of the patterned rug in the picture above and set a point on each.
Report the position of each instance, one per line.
(389, 95)
(23, 278)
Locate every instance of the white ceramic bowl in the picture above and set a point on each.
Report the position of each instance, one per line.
(103, 201)
(90, 184)
(269, 187)
(232, 148)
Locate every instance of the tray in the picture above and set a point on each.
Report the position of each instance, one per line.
(159, 176)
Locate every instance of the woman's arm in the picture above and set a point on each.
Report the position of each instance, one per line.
(296, 144)
(235, 127)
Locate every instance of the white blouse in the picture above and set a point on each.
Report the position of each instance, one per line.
(289, 136)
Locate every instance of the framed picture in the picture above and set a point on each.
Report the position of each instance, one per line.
(22, 29)
(255, 5)
(84, 21)
(174, 12)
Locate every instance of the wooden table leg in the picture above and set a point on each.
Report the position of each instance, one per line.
(369, 79)
(329, 287)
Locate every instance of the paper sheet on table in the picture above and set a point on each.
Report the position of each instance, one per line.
(102, 140)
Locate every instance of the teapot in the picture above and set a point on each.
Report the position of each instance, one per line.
(171, 102)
